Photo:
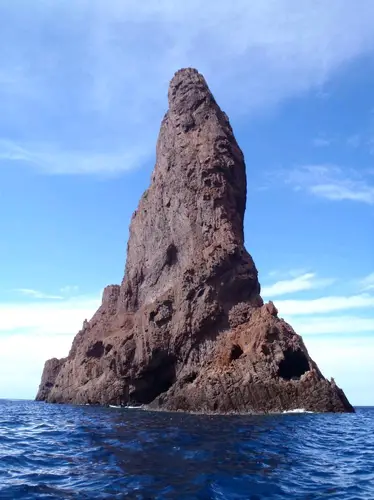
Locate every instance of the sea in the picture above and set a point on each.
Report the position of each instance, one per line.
(87, 452)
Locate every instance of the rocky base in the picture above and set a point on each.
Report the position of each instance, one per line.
(260, 366)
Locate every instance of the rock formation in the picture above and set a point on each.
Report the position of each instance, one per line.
(187, 329)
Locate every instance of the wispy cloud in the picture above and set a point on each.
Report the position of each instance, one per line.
(98, 71)
(300, 283)
(367, 283)
(282, 274)
(332, 182)
(322, 305)
(321, 142)
(354, 141)
(64, 293)
(47, 318)
(314, 325)
(69, 289)
(36, 294)
(52, 159)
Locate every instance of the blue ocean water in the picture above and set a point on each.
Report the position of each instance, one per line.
(82, 452)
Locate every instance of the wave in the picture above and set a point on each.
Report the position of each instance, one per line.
(97, 453)
(298, 410)
(127, 407)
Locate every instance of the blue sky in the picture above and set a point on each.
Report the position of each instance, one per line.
(83, 89)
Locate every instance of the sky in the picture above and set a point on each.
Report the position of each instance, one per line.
(83, 89)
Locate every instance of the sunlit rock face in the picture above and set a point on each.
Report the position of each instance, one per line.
(187, 328)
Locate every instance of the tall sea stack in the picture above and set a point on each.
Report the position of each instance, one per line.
(187, 328)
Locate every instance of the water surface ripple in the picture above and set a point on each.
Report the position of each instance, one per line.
(71, 452)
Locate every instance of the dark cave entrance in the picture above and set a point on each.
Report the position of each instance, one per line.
(171, 255)
(236, 352)
(96, 350)
(156, 379)
(293, 365)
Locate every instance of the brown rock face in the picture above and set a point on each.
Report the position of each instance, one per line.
(52, 368)
(187, 329)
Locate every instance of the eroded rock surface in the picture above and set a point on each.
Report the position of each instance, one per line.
(187, 329)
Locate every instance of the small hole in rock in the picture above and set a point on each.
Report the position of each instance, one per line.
(152, 315)
(171, 255)
(191, 295)
(190, 377)
(236, 352)
(265, 349)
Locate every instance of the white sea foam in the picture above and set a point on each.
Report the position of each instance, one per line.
(126, 407)
(297, 410)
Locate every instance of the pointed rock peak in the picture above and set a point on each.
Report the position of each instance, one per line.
(193, 107)
(187, 329)
(187, 90)
(191, 218)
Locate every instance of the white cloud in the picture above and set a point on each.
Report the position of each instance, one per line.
(306, 281)
(47, 318)
(35, 294)
(316, 325)
(349, 361)
(31, 333)
(367, 283)
(98, 70)
(352, 191)
(22, 358)
(324, 304)
(331, 182)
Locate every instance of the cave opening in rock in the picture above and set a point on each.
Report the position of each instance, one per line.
(96, 350)
(293, 365)
(158, 378)
(171, 255)
(190, 378)
(236, 352)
